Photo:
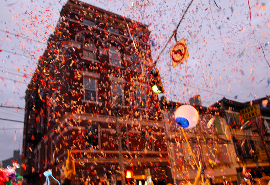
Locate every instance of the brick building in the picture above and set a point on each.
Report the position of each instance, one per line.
(91, 93)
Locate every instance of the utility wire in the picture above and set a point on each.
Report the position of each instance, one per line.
(14, 70)
(11, 113)
(22, 36)
(3, 71)
(11, 107)
(11, 129)
(28, 56)
(174, 33)
(203, 89)
(11, 120)
(12, 80)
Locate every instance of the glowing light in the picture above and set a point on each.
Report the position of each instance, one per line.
(155, 89)
(129, 174)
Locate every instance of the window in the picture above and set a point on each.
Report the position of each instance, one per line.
(89, 51)
(267, 125)
(237, 147)
(232, 119)
(90, 89)
(146, 136)
(117, 94)
(113, 30)
(124, 138)
(114, 56)
(253, 145)
(136, 63)
(92, 136)
(141, 95)
(88, 22)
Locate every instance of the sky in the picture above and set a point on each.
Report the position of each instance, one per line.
(228, 44)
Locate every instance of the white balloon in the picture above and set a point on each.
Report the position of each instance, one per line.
(186, 116)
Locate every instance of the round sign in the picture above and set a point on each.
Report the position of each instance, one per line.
(178, 52)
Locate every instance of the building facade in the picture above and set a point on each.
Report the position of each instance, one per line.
(15, 159)
(91, 93)
(249, 134)
(208, 143)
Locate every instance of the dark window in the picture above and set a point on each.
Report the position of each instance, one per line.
(88, 22)
(124, 139)
(90, 88)
(91, 135)
(238, 148)
(113, 30)
(253, 145)
(146, 136)
(246, 149)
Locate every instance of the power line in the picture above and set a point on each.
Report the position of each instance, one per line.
(13, 80)
(11, 129)
(198, 88)
(174, 32)
(24, 37)
(17, 71)
(11, 113)
(14, 73)
(12, 107)
(14, 53)
(11, 120)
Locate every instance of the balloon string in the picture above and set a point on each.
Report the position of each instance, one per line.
(48, 181)
(56, 180)
(189, 147)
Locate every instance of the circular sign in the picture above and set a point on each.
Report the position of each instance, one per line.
(178, 52)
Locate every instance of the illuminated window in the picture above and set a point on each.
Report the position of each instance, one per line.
(89, 50)
(115, 56)
(90, 89)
